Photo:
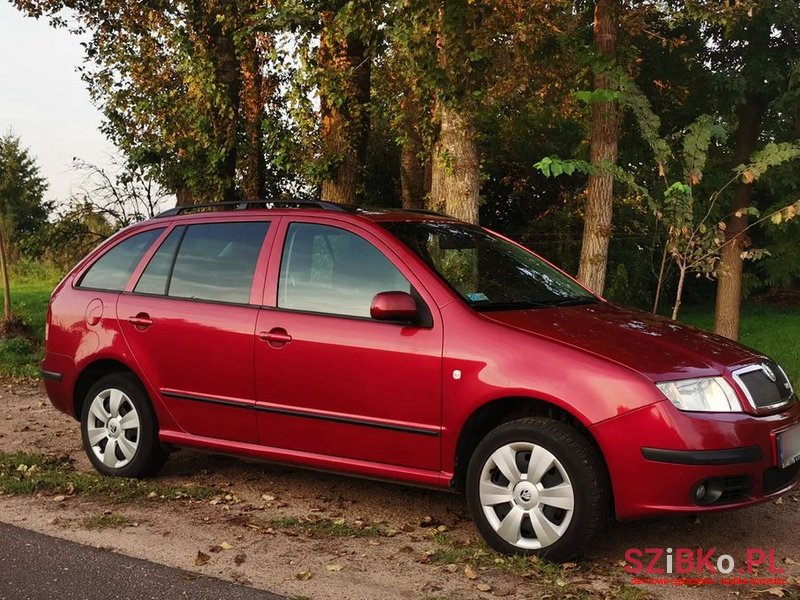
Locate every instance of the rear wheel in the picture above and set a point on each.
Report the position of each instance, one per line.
(537, 486)
(119, 430)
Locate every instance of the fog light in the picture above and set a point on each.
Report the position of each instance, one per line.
(708, 491)
(699, 491)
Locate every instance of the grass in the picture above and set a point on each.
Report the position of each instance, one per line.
(23, 473)
(106, 520)
(775, 331)
(30, 293)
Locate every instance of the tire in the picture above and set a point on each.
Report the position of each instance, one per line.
(513, 513)
(117, 416)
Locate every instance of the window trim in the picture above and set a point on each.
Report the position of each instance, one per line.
(272, 284)
(106, 247)
(259, 274)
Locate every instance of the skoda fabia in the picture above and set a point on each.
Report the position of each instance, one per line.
(410, 346)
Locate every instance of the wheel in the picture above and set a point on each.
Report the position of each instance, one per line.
(537, 486)
(119, 429)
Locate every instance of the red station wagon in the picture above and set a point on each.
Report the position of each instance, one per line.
(410, 346)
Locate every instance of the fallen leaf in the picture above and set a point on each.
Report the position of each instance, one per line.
(267, 497)
(484, 587)
(561, 583)
(451, 568)
(226, 546)
(59, 498)
(304, 575)
(334, 567)
(201, 559)
(470, 573)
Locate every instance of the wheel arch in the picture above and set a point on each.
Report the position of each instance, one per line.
(502, 410)
(90, 374)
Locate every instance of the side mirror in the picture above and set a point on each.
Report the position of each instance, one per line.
(394, 306)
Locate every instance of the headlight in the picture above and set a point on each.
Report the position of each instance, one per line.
(707, 394)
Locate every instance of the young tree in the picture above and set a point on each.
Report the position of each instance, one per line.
(22, 206)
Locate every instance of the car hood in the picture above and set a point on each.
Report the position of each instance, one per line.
(659, 348)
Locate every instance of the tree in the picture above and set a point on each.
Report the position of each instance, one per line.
(755, 46)
(604, 134)
(181, 86)
(22, 205)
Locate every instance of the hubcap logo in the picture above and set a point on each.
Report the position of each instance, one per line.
(768, 372)
(525, 495)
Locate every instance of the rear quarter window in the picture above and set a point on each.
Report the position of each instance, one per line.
(114, 268)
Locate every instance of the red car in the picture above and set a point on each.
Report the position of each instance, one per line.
(410, 346)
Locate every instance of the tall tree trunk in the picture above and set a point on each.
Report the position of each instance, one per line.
(729, 285)
(6, 283)
(414, 169)
(604, 136)
(345, 125)
(213, 24)
(455, 168)
(253, 166)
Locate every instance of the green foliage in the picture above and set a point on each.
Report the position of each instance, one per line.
(23, 210)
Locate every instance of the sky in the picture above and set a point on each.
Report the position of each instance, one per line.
(44, 101)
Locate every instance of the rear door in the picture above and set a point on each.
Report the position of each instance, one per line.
(329, 379)
(189, 321)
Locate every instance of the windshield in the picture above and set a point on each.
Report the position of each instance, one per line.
(487, 271)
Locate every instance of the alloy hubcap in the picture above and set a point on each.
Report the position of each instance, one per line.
(526, 495)
(113, 428)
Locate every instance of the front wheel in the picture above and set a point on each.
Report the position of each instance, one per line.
(537, 486)
(119, 430)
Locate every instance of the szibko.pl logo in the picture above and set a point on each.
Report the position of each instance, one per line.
(651, 565)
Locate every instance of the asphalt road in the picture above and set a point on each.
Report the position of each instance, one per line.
(39, 567)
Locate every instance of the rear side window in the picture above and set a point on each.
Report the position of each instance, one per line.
(214, 261)
(113, 270)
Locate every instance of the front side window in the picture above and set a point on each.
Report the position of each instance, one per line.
(212, 261)
(329, 270)
(488, 272)
(113, 270)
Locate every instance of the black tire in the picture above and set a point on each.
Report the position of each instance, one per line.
(148, 456)
(583, 466)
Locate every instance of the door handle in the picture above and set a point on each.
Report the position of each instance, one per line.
(141, 321)
(276, 337)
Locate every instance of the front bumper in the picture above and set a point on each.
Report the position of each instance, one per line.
(656, 455)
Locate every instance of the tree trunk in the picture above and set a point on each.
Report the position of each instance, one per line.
(213, 25)
(414, 170)
(679, 293)
(729, 285)
(6, 283)
(345, 125)
(604, 136)
(252, 162)
(455, 167)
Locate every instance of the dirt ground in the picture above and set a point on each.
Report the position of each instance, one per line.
(232, 535)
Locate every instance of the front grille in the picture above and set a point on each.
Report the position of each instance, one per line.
(760, 388)
(735, 488)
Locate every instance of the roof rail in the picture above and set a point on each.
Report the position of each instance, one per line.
(243, 204)
(423, 211)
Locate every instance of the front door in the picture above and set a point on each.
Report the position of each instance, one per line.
(329, 379)
(189, 324)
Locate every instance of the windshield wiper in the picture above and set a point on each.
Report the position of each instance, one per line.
(513, 305)
(576, 301)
